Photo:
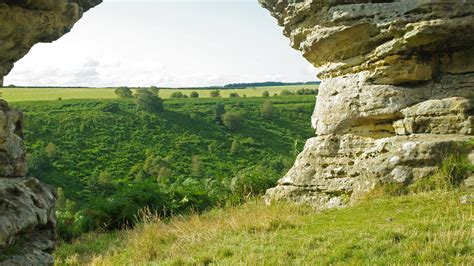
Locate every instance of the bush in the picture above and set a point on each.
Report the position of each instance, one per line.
(306, 92)
(267, 111)
(215, 93)
(235, 147)
(253, 181)
(265, 94)
(286, 93)
(234, 95)
(194, 94)
(122, 208)
(233, 121)
(177, 95)
(124, 92)
(219, 110)
(146, 101)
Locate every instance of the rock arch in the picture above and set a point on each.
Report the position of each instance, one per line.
(397, 95)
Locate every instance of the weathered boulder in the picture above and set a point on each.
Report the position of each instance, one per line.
(27, 222)
(25, 23)
(27, 216)
(397, 92)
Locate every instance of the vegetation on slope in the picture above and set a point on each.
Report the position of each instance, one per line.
(111, 160)
(429, 227)
(428, 222)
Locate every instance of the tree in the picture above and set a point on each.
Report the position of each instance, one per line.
(235, 147)
(215, 93)
(286, 93)
(267, 110)
(148, 102)
(194, 94)
(124, 92)
(265, 94)
(232, 121)
(234, 95)
(177, 95)
(219, 110)
(155, 90)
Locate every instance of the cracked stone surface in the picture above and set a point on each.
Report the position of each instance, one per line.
(397, 92)
(27, 214)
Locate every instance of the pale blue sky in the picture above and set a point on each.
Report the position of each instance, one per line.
(166, 43)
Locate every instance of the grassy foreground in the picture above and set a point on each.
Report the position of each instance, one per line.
(48, 94)
(426, 228)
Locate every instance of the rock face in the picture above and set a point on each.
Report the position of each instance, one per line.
(27, 216)
(23, 23)
(397, 92)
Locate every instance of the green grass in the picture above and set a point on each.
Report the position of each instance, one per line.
(45, 94)
(425, 228)
(89, 141)
(112, 160)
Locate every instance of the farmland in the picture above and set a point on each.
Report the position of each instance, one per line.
(18, 94)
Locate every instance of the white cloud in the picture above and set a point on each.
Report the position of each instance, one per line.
(166, 44)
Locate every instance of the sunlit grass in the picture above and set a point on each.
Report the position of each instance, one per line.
(427, 228)
(45, 94)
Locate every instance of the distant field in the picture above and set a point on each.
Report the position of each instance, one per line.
(44, 94)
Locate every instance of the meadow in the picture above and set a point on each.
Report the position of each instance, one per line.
(45, 94)
(431, 228)
(110, 160)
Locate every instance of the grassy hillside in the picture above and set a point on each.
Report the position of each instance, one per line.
(426, 228)
(111, 160)
(44, 94)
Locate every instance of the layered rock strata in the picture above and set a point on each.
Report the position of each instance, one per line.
(397, 92)
(24, 23)
(27, 216)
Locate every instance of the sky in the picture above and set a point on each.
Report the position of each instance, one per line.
(178, 43)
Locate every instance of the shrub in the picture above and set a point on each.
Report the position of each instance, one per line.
(121, 209)
(215, 93)
(306, 92)
(235, 147)
(286, 93)
(234, 95)
(267, 111)
(146, 101)
(194, 94)
(124, 92)
(177, 95)
(253, 181)
(265, 94)
(233, 121)
(219, 110)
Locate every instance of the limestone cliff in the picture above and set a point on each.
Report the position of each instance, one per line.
(27, 216)
(23, 23)
(397, 92)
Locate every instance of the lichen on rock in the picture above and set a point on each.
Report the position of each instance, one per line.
(397, 92)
